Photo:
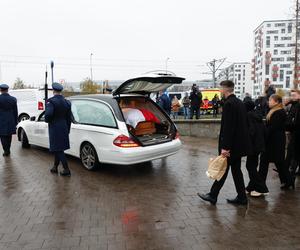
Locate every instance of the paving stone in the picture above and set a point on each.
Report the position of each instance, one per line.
(146, 206)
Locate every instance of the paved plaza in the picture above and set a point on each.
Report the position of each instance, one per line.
(148, 206)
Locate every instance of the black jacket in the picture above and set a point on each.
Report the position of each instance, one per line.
(8, 114)
(234, 133)
(276, 139)
(257, 131)
(196, 99)
(58, 116)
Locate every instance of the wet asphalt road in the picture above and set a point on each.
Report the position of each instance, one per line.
(148, 206)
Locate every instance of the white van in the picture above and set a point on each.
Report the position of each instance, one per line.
(30, 101)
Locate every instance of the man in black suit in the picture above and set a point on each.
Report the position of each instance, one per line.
(234, 143)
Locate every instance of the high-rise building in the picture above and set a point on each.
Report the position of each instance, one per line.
(274, 53)
(240, 74)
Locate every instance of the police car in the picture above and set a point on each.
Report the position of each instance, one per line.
(124, 128)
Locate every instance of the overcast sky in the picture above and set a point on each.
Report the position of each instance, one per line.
(127, 37)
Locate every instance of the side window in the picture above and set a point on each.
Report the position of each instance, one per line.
(92, 113)
(42, 117)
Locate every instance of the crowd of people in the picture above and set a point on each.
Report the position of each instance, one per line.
(191, 105)
(260, 131)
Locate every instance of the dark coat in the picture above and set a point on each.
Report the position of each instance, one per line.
(165, 103)
(196, 99)
(58, 116)
(257, 131)
(291, 117)
(261, 106)
(234, 133)
(296, 129)
(276, 138)
(8, 114)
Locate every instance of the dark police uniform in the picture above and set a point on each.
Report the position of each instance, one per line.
(8, 118)
(58, 117)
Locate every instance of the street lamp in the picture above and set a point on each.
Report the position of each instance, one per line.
(167, 65)
(91, 66)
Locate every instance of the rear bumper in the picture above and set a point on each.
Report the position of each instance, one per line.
(129, 156)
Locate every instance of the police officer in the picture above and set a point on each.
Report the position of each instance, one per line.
(8, 118)
(58, 117)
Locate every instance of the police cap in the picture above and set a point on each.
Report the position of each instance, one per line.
(4, 86)
(56, 86)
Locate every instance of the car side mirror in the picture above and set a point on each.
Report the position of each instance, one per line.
(32, 118)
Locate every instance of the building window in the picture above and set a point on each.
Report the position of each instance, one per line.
(274, 79)
(279, 24)
(285, 66)
(282, 31)
(281, 75)
(289, 72)
(275, 52)
(275, 38)
(268, 25)
(286, 38)
(290, 28)
(267, 69)
(278, 59)
(285, 52)
(239, 77)
(279, 45)
(272, 32)
(288, 82)
(268, 42)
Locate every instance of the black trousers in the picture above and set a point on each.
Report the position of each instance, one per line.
(60, 157)
(284, 174)
(256, 182)
(195, 110)
(215, 111)
(235, 165)
(291, 162)
(6, 142)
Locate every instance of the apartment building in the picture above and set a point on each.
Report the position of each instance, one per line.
(274, 53)
(240, 74)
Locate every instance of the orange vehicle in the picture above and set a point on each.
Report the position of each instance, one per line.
(207, 96)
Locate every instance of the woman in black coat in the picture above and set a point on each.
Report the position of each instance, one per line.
(275, 143)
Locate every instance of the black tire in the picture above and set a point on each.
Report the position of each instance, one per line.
(89, 157)
(24, 139)
(23, 117)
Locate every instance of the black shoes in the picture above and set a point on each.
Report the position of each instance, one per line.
(54, 170)
(5, 154)
(238, 201)
(208, 197)
(65, 172)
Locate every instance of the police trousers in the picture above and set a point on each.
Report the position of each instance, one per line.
(60, 157)
(6, 142)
